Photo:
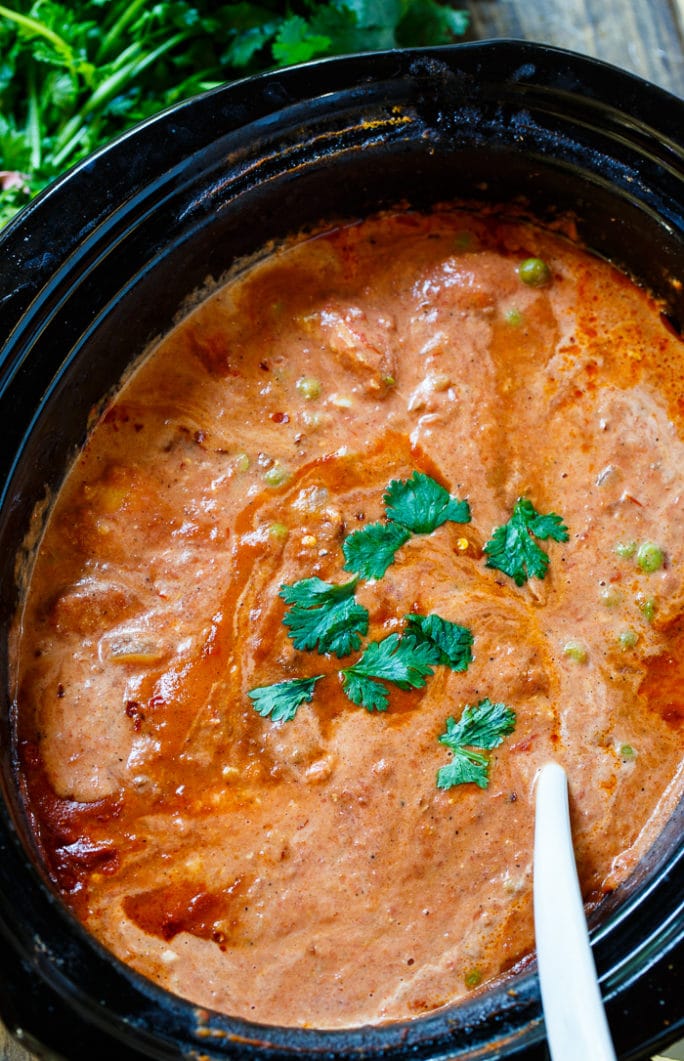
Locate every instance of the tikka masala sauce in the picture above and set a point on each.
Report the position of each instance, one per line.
(310, 872)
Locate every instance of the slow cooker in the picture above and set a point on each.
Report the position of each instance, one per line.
(102, 262)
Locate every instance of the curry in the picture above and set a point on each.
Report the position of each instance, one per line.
(318, 855)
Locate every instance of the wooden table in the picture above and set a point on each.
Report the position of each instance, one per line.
(645, 37)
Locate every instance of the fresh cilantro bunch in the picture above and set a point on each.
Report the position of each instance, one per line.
(512, 548)
(74, 75)
(482, 725)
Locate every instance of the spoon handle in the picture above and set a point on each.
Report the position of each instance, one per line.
(576, 1025)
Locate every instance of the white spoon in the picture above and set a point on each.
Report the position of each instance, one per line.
(576, 1025)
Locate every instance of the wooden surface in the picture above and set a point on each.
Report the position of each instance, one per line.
(643, 36)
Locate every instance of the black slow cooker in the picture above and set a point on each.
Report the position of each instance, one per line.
(103, 261)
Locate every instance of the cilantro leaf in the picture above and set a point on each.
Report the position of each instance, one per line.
(482, 725)
(324, 616)
(512, 549)
(452, 643)
(422, 505)
(370, 551)
(397, 660)
(417, 505)
(364, 691)
(427, 20)
(466, 767)
(549, 526)
(295, 43)
(281, 700)
(401, 661)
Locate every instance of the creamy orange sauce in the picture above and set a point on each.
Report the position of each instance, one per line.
(310, 872)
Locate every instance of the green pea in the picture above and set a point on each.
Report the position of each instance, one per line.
(650, 557)
(276, 475)
(309, 387)
(627, 752)
(241, 462)
(472, 978)
(278, 531)
(576, 650)
(626, 549)
(534, 272)
(513, 317)
(647, 607)
(628, 639)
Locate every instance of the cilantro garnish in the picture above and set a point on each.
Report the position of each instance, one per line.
(512, 548)
(401, 661)
(324, 616)
(281, 700)
(327, 617)
(370, 551)
(452, 644)
(414, 506)
(482, 725)
(421, 505)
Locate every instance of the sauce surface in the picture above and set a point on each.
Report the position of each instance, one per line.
(310, 872)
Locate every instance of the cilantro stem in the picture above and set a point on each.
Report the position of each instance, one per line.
(113, 34)
(71, 132)
(75, 125)
(131, 52)
(41, 30)
(197, 82)
(33, 129)
(112, 84)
